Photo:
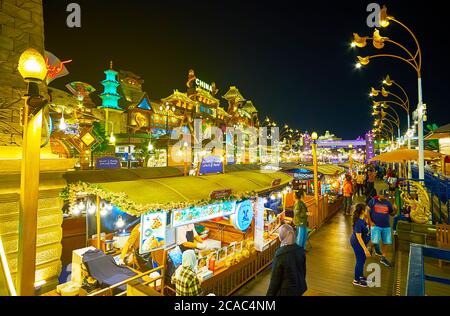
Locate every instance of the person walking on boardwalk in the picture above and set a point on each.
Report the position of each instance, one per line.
(380, 209)
(288, 267)
(348, 193)
(371, 177)
(359, 240)
(360, 183)
(300, 218)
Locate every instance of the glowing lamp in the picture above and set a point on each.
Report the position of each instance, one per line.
(150, 146)
(314, 136)
(32, 66)
(112, 138)
(75, 211)
(62, 124)
(120, 222)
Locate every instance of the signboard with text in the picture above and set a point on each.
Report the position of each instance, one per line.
(202, 213)
(220, 194)
(107, 163)
(259, 224)
(211, 164)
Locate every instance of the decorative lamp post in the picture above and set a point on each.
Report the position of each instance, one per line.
(33, 69)
(314, 138)
(412, 58)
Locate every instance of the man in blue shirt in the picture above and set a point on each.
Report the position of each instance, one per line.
(380, 210)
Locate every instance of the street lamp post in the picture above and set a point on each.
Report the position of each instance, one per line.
(314, 137)
(33, 69)
(413, 59)
(350, 158)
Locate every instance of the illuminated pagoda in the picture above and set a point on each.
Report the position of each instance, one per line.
(110, 97)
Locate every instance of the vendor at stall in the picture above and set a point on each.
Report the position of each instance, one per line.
(188, 238)
(130, 252)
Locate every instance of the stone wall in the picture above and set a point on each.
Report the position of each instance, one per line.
(21, 27)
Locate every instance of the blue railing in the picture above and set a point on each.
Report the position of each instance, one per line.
(415, 285)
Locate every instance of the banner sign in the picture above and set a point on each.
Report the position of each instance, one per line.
(220, 194)
(107, 163)
(211, 164)
(202, 213)
(153, 231)
(259, 224)
(72, 129)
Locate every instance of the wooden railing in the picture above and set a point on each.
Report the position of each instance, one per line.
(230, 280)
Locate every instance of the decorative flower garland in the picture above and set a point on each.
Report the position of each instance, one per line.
(120, 200)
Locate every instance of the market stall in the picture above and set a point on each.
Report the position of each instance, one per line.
(220, 216)
(330, 179)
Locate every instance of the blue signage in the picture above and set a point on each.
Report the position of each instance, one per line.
(107, 163)
(211, 164)
(243, 216)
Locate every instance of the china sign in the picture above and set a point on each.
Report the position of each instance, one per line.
(211, 164)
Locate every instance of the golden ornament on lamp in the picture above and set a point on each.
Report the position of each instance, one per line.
(359, 41)
(378, 40)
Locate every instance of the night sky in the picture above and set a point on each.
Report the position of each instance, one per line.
(291, 58)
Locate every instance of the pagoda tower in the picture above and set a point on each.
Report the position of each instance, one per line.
(110, 97)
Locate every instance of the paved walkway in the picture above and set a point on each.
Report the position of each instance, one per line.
(330, 265)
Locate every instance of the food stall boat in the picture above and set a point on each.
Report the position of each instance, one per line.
(330, 182)
(227, 211)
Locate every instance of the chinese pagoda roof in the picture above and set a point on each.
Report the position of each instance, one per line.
(249, 107)
(207, 95)
(178, 96)
(233, 94)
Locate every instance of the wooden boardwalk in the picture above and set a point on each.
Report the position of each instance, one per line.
(330, 265)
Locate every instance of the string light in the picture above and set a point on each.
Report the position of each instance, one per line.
(120, 222)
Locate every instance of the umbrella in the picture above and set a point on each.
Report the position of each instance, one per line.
(401, 155)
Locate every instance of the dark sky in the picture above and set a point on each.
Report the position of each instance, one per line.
(291, 58)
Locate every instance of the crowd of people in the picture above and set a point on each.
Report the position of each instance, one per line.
(371, 220)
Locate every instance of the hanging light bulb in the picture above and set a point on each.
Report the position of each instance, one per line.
(75, 211)
(112, 138)
(103, 212)
(81, 206)
(273, 197)
(62, 123)
(109, 207)
(91, 208)
(120, 222)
